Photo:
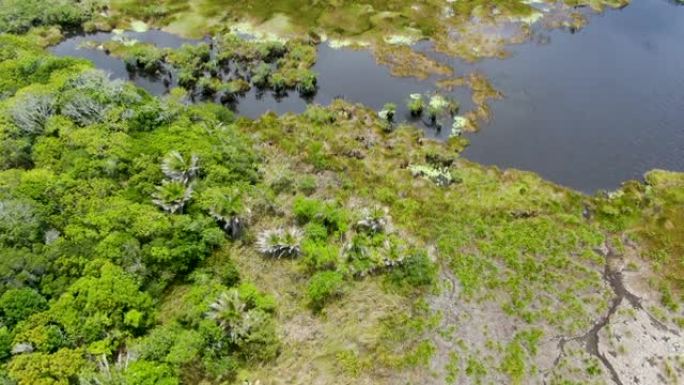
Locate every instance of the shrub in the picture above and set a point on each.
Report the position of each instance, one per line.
(328, 214)
(84, 110)
(319, 256)
(5, 343)
(261, 74)
(307, 185)
(306, 83)
(19, 16)
(20, 223)
(318, 114)
(282, 183)
(31, 112)
(18, 304)
(324, 287)
(306, 210)
(372, 221)
(100, 87)
(416, 270)
(439, 175)
(315, 231)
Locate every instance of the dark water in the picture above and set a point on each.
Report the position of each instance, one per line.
(72, 47)
(587, 110)
(595, 108)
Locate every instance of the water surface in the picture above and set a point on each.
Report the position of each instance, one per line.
(588, 110)
(594, 108)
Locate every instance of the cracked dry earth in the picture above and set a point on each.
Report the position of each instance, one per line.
(626, 344)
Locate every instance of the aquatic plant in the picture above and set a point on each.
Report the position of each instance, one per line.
(415, 104)
(280, 242)
(388, 111)
(437, 106)
(144, 57)
(459, 124)
(187, 79)
(260, 75)
(278, 82)
(306, 83)
(206, 86)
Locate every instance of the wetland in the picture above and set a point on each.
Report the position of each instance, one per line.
(339, 192)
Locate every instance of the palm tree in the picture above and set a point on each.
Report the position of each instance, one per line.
(108, 374)
(234, 316)
(280, 242)
(177, 168)
(228, 210)
(373, 221)
(172, 196)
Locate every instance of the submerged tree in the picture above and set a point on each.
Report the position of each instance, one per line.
(415, 104)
